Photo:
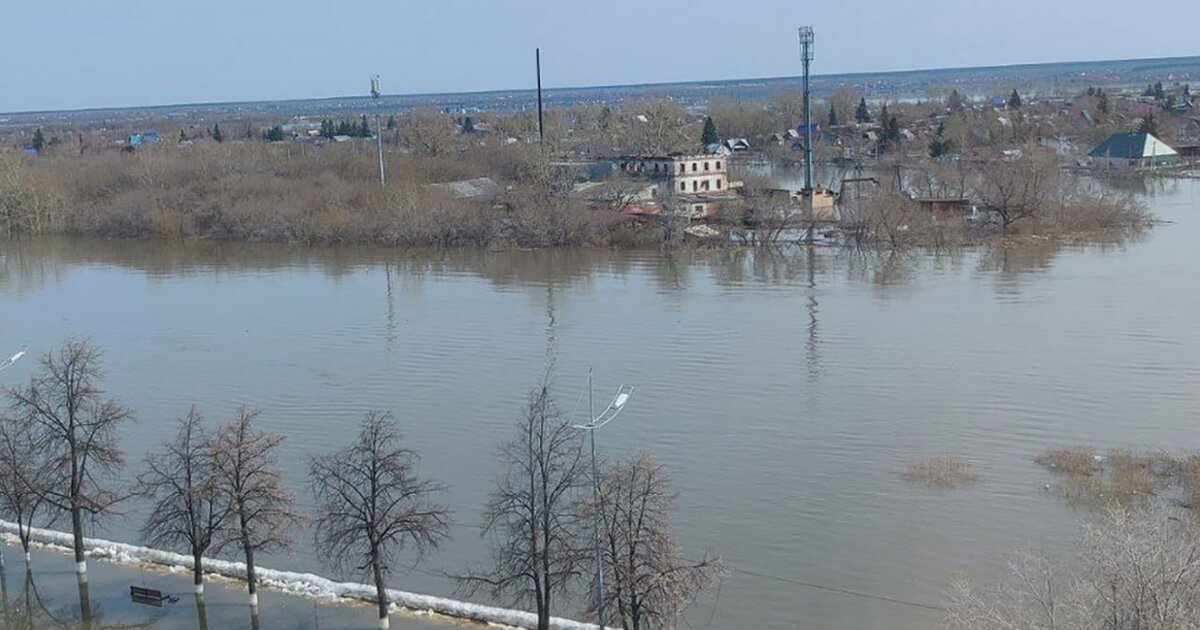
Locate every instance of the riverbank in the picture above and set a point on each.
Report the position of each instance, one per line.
(306, 585)
(285, 193)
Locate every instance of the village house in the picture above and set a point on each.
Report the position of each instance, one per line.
(697, 183)
(1132, 151)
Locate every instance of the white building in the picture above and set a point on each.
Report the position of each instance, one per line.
(688, 175)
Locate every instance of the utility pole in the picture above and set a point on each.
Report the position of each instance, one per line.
(806, 56)
(375, 93)
(541, 121)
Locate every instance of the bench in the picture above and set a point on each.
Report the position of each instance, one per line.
(147, 596)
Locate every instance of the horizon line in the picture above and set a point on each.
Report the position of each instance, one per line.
(652, 84)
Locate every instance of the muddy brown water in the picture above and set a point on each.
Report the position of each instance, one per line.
(785, 392)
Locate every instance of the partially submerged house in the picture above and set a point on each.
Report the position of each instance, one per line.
(695, 183)
(737, 145)
(945, 205)
(824, 201)
(1133, 151)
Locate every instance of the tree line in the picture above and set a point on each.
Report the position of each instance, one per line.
(220, 491)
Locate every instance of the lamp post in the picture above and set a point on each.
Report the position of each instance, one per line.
(7, 363)
(595, 422)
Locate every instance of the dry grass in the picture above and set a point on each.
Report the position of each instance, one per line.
(296, 193)
(1077, 461)
(1123, 477)
(941, 472)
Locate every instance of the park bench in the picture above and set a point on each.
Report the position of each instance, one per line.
(147, 596)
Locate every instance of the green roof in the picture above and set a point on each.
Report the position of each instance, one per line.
(1132, 146)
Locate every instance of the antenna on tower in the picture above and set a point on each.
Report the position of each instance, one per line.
(806, 56)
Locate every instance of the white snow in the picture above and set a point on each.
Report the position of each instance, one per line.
(305, 584)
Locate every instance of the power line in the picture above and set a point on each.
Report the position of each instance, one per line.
(842, 591)
(795, 582)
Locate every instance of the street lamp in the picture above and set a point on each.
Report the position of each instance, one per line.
(7, 363)
(610, 413)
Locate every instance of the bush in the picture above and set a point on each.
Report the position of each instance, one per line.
(942, 472)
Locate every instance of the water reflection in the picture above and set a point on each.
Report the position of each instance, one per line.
(27, 266)
(201, 611)
(30, 610)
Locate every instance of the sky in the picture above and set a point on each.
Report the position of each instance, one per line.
(73, 54)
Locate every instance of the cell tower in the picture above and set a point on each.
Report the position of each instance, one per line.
(806, 56)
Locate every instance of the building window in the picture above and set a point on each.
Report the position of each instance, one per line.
(718, 184)
(695, 186)
(718, 166)
(695, 166)
(683, 186)
(682, 168)
(706, 167)
(705, 185)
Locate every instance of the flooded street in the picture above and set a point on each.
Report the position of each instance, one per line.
(785, 392)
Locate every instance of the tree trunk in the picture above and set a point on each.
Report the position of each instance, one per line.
(85, 603)
(250, 578)
(381, 597)
(77, 532)
(25, 533)
(198, 572)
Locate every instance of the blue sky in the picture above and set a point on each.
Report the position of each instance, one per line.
(59, 54)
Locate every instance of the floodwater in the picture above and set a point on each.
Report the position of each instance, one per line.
(784, 391)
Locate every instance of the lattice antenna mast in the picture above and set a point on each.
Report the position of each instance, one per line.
(806, 56)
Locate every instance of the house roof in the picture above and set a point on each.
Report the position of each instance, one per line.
(1132, 145)
(479, 188)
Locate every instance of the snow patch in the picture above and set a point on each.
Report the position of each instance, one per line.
(304, 584)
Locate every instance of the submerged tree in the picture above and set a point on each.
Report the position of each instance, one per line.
(1138, 569)
(536, 549)
(709, 135)
(1149, 125)
(862, 114)
(24, 478)
(250, 481)
(647, 582)
(955, 102)
(75, 427)
(372, 505)
(1014, 100)
(189, 511)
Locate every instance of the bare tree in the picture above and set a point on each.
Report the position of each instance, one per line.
(648, 583)
(76, 427)
(1018, 190)
(189, 511)
(1139, 569)
(659, 126)
(250, 481)
(537, 550)
(24, 478)
(372, 505)
(425, 132)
